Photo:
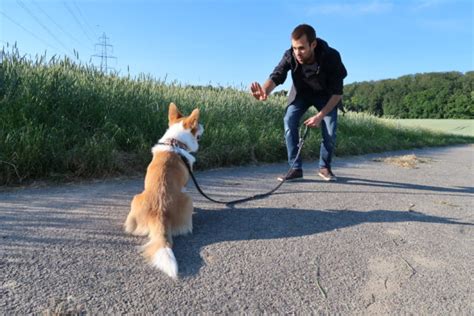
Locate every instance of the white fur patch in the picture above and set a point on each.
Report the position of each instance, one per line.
(179, 151)
(164, 260)
(178, 132)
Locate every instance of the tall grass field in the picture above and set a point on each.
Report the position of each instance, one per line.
(451, 126)
(60, 120)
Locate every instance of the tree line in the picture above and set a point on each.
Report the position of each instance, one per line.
(437, 95)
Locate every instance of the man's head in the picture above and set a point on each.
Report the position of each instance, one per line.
(303, 42)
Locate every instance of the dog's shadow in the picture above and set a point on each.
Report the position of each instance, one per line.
(233, 224)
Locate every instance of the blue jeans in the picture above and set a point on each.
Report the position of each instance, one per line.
(293, 114)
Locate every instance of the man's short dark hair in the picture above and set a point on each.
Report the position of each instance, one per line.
(304, 29)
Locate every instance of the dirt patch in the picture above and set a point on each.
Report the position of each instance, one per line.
(406, 161)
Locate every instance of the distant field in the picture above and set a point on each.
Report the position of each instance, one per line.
(459, 127)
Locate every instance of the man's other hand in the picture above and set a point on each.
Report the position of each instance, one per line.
(257, 91)
(314, 121)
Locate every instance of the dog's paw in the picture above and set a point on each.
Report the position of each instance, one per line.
(141, 231)
(183, 230)
(129, 226)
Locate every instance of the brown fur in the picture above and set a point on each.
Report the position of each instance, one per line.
(163, 209)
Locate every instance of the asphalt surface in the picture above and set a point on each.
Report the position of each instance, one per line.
(381, 240)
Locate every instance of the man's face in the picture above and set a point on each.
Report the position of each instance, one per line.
(303, 51)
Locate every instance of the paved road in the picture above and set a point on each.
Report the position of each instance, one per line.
(383, 239)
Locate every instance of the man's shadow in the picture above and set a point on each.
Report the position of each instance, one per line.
(370, 183)
(233, 224)
(363, 184)
(402, 185)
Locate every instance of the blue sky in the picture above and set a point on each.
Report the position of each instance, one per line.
(232, 43)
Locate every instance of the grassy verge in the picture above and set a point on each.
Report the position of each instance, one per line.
(61, 120)
(362, 133)
(451, 126)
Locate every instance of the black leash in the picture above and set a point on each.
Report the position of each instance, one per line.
(254, 197)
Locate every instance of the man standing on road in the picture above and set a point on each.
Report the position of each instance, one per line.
(317, 72)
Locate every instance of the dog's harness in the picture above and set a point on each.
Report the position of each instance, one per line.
(176, 143)
(173, 142)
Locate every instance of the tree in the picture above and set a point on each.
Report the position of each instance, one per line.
(426, 95)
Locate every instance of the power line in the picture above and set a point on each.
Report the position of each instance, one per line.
(56, 24)
(104, 53)
(28, 31)
(83, 18)
(21, 4)
(77, 21)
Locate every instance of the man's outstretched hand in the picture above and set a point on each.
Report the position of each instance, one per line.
(257, 91)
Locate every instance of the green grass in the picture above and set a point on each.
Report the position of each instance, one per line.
(360, 133)
(451, 126)
(62, 120)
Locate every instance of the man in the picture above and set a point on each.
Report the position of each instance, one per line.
(317, 72)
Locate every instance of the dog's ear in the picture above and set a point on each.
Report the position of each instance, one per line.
(192, 121)
(173, 113)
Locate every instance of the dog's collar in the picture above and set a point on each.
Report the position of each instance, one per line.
(175, 143)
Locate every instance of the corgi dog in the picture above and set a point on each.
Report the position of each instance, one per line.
(163, 209)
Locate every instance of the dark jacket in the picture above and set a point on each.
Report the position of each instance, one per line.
(325, 81)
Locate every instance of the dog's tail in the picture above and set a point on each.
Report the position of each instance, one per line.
(158, 249)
